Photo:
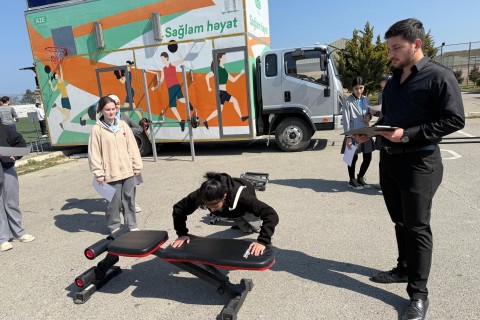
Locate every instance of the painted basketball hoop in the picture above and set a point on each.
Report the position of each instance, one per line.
(57, 54)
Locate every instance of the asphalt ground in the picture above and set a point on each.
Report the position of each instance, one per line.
(328, 243)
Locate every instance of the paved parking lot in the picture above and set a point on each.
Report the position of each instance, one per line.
(329, 241)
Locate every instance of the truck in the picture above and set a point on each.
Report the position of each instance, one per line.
(191, 70)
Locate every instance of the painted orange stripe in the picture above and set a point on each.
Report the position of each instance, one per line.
(165, 8)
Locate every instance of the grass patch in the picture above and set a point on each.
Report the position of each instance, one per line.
(33, 165)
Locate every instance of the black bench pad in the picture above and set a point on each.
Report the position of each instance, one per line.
(221, 253)
(138, 243)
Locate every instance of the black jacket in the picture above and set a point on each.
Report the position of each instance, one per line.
(247, 202)
(10, 138)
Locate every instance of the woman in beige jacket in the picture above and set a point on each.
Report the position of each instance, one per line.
(114, 158)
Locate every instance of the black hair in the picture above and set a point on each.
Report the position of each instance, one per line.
(103, 102)
(5, 99)
(219, 56)
(357, 81)
(212, 189)
(409, 29)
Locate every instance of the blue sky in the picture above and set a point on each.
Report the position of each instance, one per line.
(292, 23)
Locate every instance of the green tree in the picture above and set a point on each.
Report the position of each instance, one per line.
(474, 75)
(363, 58)
(428, 46)
(29, 97)
(459, 75)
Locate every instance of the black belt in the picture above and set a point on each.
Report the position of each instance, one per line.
(397, 150)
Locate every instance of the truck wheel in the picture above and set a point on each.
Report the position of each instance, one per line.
(292, 134)
(144, 145)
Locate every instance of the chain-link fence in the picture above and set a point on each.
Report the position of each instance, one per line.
(460, 56)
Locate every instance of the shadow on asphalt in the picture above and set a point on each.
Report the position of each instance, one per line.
(321, 185)
(90, 218)
(168, 151)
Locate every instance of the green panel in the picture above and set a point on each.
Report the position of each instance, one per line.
(116, 38)
(79, 14)
(70, 137)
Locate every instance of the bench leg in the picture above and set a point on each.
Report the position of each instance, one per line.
(96, 277)
(210, 274)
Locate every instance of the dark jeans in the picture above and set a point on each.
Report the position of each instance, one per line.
(42, 127)
(409, 182)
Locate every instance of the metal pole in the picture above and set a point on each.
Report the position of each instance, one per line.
(147, 98)
(441, 52)
(187, 105)
(468, 61)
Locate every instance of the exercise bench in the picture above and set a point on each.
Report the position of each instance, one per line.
(202, 257)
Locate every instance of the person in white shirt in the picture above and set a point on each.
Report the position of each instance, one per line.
(41, 119)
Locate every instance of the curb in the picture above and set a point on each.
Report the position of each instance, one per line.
(46, 156)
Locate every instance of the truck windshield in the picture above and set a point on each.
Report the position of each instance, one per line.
(306, 67)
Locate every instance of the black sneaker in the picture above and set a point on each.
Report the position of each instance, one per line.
(354, 185)
(83, 122)
(182, 125)
(245, 118)
(393, 276)
(205, 123)
(361, 181)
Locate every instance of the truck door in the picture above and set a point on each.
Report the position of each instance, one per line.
(304, 83)
(233, 103)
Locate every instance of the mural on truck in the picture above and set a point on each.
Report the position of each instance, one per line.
(144, 49)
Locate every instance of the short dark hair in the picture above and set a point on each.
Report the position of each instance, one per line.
(409, 29)
(5, 99)
(357, 81)
(212, 189)
(103, 102)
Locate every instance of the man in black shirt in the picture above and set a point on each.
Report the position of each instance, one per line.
(423, 101)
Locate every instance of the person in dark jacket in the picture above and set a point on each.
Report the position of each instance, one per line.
(10, 214)
(232, 198)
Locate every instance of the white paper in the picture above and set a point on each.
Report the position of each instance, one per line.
(348, 154)
(106, 191)
(376, 108)
(14, 151)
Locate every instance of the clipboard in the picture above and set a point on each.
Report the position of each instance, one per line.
(369, 131)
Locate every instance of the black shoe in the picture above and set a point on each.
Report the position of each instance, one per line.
(392, 276)
(205, 123)
(354, 185)
(61, 125)
(83, 122)
(416, 310)
(361, 181)
(235, 227)
(245, 118)
(182, 125)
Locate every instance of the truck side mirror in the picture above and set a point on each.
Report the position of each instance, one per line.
(323, 62)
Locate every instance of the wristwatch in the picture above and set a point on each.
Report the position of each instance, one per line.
(405, 138)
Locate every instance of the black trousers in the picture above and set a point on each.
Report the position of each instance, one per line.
(43, 127)
(409, 182)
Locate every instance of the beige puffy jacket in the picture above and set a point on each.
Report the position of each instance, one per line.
(113, 156)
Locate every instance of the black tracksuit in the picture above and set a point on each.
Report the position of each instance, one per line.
(247, 202)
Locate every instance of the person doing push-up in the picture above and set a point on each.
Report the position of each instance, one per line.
(232, 198)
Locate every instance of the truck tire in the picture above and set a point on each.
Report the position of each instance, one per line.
(144, 145)
(292, 135)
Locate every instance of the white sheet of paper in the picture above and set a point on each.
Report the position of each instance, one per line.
(348, 154)
(376, 108)
(14, 151)
(106, 191)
